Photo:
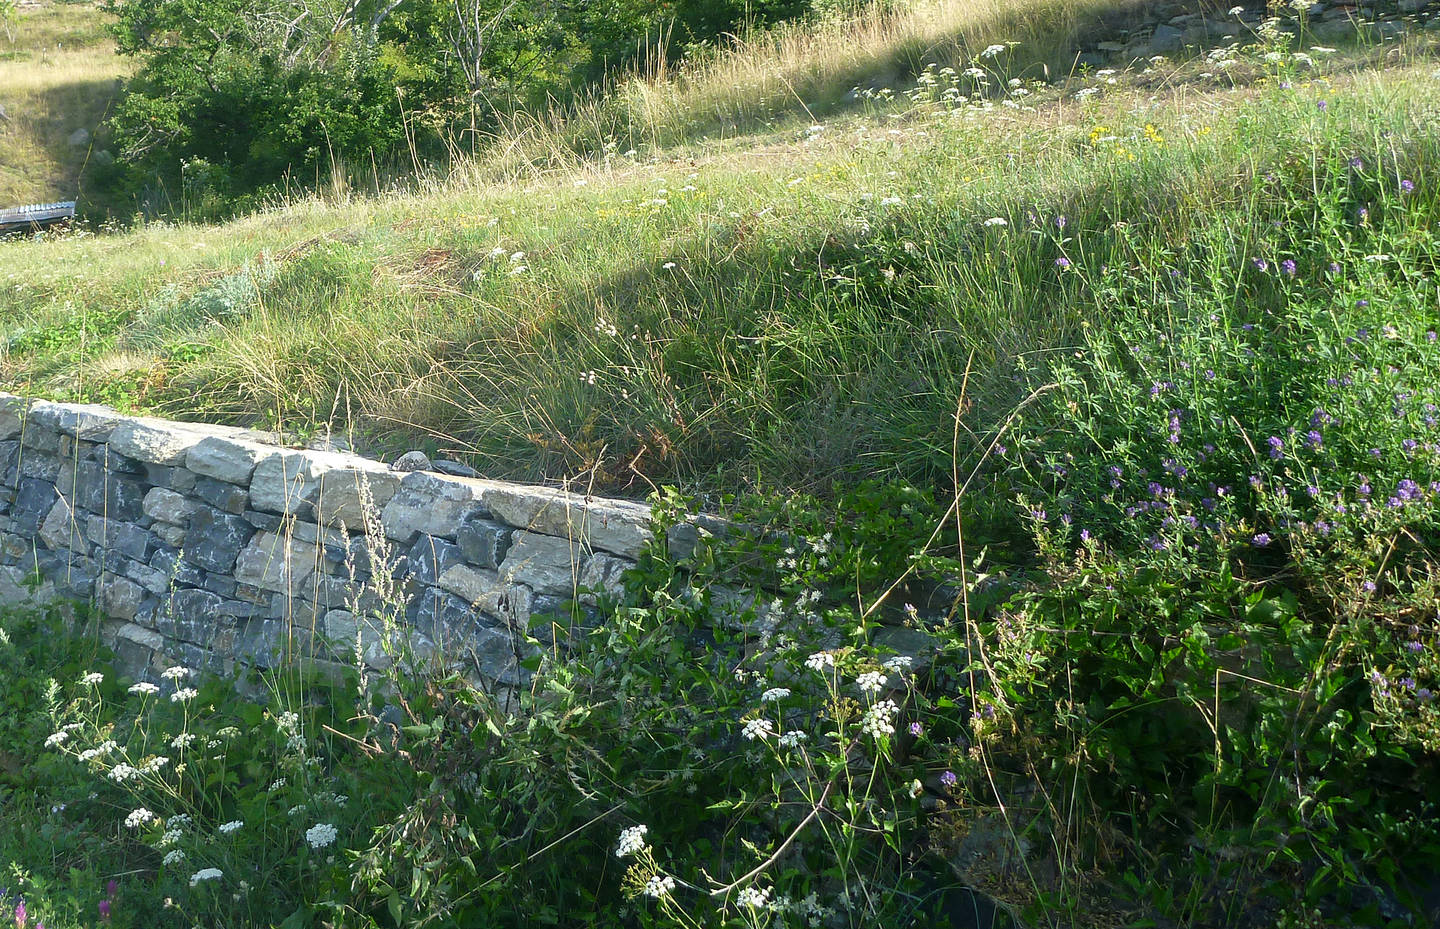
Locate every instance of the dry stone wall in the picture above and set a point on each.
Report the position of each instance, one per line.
(219, 548)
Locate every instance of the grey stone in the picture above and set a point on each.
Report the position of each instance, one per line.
(192, 616)
(429, 504)
(121, 538)
(282, 481)
(182, 481)
(620, 527)
(158, 475)
(604, 575)
(411, 461)
(34, 498)
(270, 522)
(91, 422)
(111, 495)
(483, 541)
(429, 557)
(168, 506)
(355, 497)
(156, 580)
(477, 586)
(79, 138)
(118, 597)
(75, 578)
(545, 564)
(221, 495)
(276, 563)
(215, 539)
(40, 439)
(153, 442)
(46, 467)
(220, 584)
(1166, 39)
(1389, 30)
(178, 571)
(453, 468)
(169, 533)
(60, 530)
(268, 643)
(225, 459)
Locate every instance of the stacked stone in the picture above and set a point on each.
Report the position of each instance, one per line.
(1171, 27)
(218, 548)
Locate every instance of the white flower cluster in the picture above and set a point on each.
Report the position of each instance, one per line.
(872, 682)
(183, 740)
(754, 897)
(231, 826)
(173, 857)
(793, 739)
(104, 748)
(144, 688)
(175, 673)
(756, 729)
(184, 694)
(171, 838)
(899, 662)
(288, 721)
(138, 818)
(94, 677)
(632, 840)
(880, 719)
(206, 874)
(320, 835)
(658, 886)
(820, 661)
(152, 765)
(775, 695)
(56, 738)
(123, 772)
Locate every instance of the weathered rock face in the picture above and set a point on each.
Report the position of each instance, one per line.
(218, 548)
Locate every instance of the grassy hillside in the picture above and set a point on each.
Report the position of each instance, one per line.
(58, 74)
(792, 303)
(1144, 357)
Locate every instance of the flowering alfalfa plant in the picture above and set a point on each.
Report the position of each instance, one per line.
(235, 802)
(1234, 495)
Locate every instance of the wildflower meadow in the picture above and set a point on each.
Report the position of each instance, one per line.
(1077, 444)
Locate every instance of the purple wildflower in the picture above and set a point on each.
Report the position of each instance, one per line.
(1260, 264)
(1277, 446)
(1261, 540)
(1062, 262)
(1407, 185)
(916, 729)
(1321, 105)
(948, 779)
(1357, 163)
(1289, 267)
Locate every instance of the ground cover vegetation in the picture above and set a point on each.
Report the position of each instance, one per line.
(1125, 394)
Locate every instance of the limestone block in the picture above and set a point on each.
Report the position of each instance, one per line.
(346, 494)
(603, 574)
(617, 526)
(34, 498)
(483, 541)
(430, 504)
(221, 495)
(153, 441)
(214, 539)
(90, 422)
(545, 564)
(118, 597)
(276, 563)
(101, 491)
(168, 506)
(225, 459)
(60, 531)
(430, 557)
(169, 533)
